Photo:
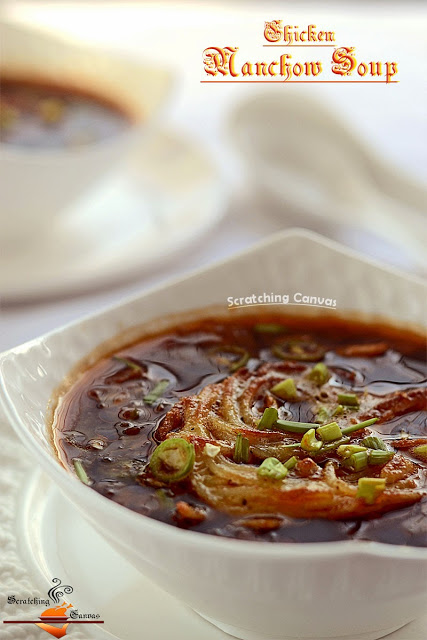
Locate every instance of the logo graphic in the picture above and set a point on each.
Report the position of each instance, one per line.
(55, 620)
(265, 299)
(55, 593)
(52, 615)
(335, 62)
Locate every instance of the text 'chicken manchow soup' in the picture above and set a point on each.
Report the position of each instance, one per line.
(275, 428)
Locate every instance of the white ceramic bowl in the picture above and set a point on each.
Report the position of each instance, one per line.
(37, 184)
(351, 589)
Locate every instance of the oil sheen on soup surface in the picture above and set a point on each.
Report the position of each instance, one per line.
(43, 116)
(274, 429)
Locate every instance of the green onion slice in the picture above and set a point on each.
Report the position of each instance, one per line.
(356, 427)
(293, 427)
(348, 399)
(81, 472)
(370, 488)
(172, 460)
(293, 349)
(345, 451)
(241, 449)
(293, 445)
(357, 461)
(339, 410)
(211, 450)
(372, 442)
(8, 117)
(286, 390)
(309, 442)
(319, 374)
(128, 363)
(165, 500)
(329, 432)
(331, 446)
(156, 392)
(268, 419)
(272, 469)
(233, 349)
(379, 457)
(322, 414)
(290, 464)
(420, 452)
(269, 327)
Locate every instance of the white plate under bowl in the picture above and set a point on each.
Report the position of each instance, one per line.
(157, 205)
(55, 542)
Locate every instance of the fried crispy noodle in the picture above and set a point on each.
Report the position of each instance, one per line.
(313, 488)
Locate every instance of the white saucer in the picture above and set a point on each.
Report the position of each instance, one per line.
(55, 542)
(169, 194)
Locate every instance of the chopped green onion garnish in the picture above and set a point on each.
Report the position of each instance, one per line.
(172, 460)
(358, 460)
(290, 464)
(309, 442)
(268, 419)
(155, 393)
(420, 452)
(319, 374)
(80, 471)
(273, 469)
(241, 449)
(165, 500)
(269, 327)
(323, 414)
(293, 427)
(329, 432)
(233, 365)
(348, 399)
(347, 450)
(128, 363)
(286, 390)
(211, 450)
(334, 445)
(293, 349)
(338, 410)
(372, 442)
(379, 457)
(360, 425)
(370, 488)
(8, 117)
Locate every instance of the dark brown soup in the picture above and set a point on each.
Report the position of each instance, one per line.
(275, 428)
(45, 116)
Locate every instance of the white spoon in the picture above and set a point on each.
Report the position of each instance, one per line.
(312, 165)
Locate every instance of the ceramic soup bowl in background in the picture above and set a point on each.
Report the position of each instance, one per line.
(38, 183)
(349, 590)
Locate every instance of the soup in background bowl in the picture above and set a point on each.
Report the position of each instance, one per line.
(37, 115)
(71, 114)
